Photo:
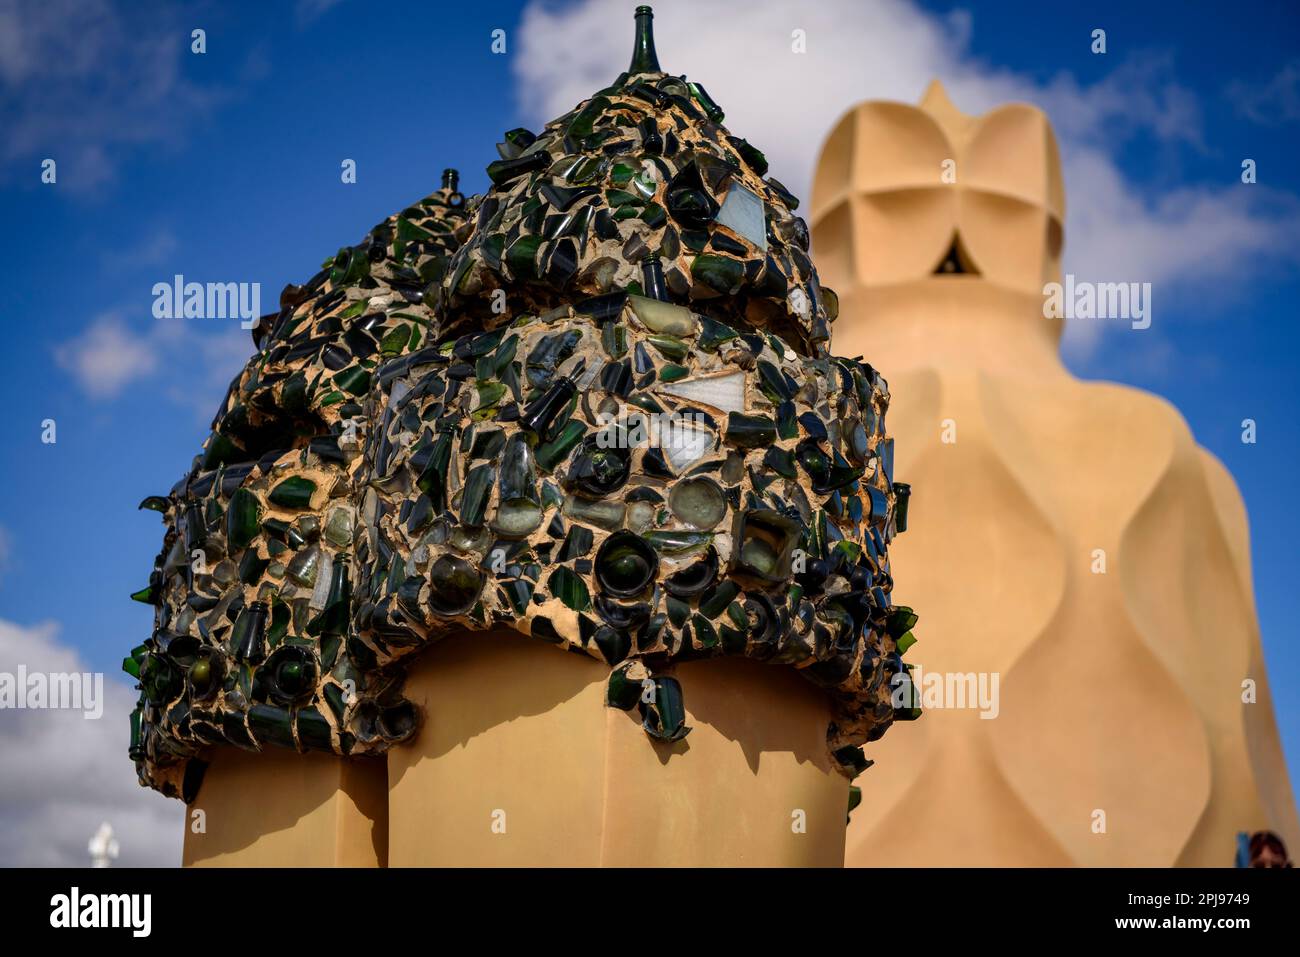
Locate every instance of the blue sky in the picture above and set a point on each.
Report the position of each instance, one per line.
(225, 166)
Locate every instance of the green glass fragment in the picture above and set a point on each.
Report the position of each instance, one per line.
(670, 347)
(551, 454)
(395, 340)
(719, 273)
(293, 492)
(568, 586)
(242, 518)
(672, 372)
(354, 380)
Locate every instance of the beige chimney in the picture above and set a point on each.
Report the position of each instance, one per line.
(1070, 537)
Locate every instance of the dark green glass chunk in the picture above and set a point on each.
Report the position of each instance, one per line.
(454, 586)
(711, 109)
(583, 122)
(626, 564)
(271, 725)
(290, 674)
(551, 454)
(670, 347)
(720, 273)
(765, 541)
(248, 638)
(519, 593)
(719, 599)
(313, 730)
(561, 197)
(522, 257)
(750, 431)
(131, 663)
(433, 477)
(478, 485)
(665, 717)
(714, 333)
(293, 492)
(503, 171)
(671, 372)
(577, 543)
(900, 621)
(354, 380)
(568, 586)
(903, 494)
(242, 519)
(159, 680)
(705, 633)
(622, 692)
(598, 471)
(780, 461)
(251, 567)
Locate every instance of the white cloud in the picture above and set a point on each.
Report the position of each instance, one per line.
(62, 775)
(196, 364)
(107, 357)
(195, 358)
(151, 249)
(786, 104)
(1210, 243)
(219, 357)
(82, 80)
(1273, 102)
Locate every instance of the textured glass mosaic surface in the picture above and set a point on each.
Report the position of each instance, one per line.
(596, 404)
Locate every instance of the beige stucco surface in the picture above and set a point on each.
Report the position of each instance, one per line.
(282, 809)
(1121, 691)
(520, 763)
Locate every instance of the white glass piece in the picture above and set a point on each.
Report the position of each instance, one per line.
(684, 442)
(742, 212)
(589, 375)
(324, 575)
(725, 392)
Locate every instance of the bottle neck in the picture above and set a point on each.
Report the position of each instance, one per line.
(644, 57)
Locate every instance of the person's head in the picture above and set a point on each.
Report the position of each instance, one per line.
(1268, 850)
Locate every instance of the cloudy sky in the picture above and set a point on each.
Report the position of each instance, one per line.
(225, 167)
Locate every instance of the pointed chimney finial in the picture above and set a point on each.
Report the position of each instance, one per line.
(956, 124)
(644, 58)
(935, 93)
